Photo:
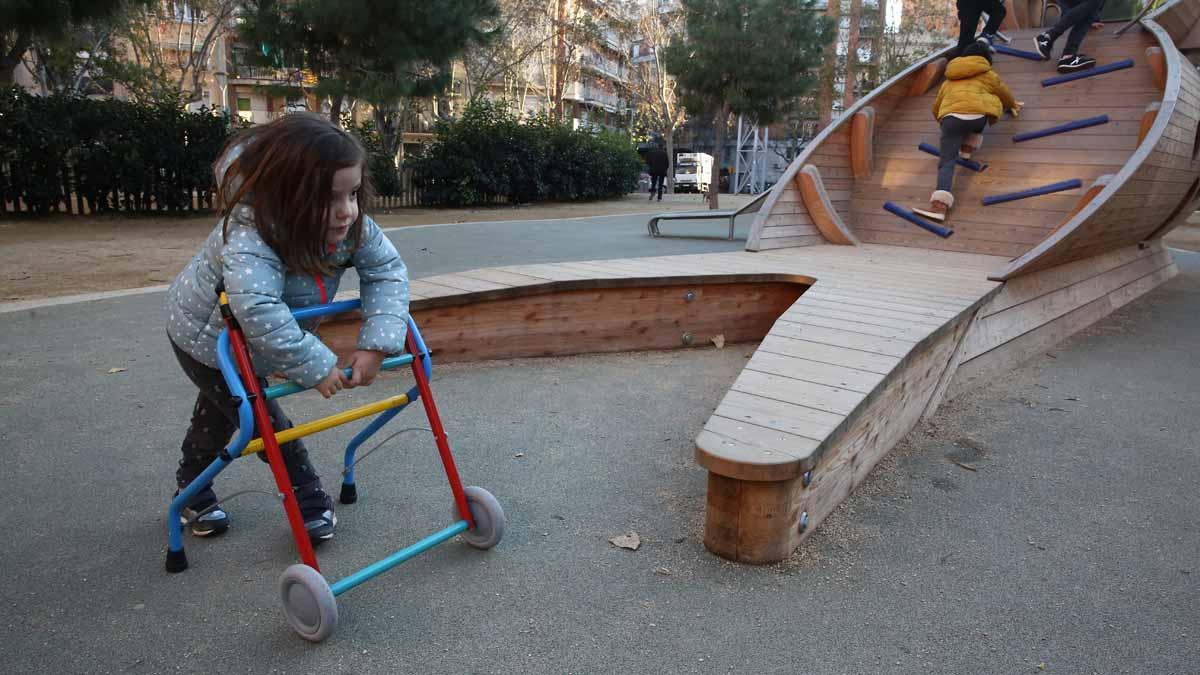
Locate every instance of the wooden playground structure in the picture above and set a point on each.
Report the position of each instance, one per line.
(866, 323)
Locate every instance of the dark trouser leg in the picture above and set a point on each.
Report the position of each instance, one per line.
(995, 11)
(215, 418)
(1077, 19)
(968, 20)
(953, 132)
(656, 185)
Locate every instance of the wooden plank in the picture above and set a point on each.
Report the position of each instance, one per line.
(984, 367)
(862, 138)
(817, 201)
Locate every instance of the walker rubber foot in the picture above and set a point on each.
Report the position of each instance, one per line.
(349, 493)
(176, 561)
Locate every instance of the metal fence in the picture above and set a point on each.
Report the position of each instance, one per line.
(163, 197)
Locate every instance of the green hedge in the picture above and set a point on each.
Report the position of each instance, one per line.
(75, 154)
(488, 155)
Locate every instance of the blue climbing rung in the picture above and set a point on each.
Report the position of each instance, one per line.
(1032, 56)
(1033, 192)
(1062, 128)
(968, 163)
(913, 218)
(1100, 70)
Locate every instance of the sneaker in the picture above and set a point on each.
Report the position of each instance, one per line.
(205, 515)
(988, 39)
(316, 509)
(965, 151)
(1075, 62)
(1044, 44)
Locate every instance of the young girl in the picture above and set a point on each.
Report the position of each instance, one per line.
(972, 97)
(290, 193)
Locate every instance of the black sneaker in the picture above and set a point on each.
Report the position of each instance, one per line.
(988, 39)
(205, 515)
(1075, 62)
(1044, 44)
(316, 508)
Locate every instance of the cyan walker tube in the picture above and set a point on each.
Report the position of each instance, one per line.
(1033, 192)
(1004, 49)
(1092, 72)
(917, 220)
(289, 388)
(968, 163)
(1062, 128)
(375, 569)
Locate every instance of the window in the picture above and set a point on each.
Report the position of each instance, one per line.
(243, 104)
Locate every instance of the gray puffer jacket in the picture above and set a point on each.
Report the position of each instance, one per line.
(261, 291)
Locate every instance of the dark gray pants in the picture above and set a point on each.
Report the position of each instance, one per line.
(1077, 19)
(656, 185)
(969, 12)
(215, 419)
(954, 130)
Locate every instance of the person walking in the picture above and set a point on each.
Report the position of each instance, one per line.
(658, 164)
(1079, 17)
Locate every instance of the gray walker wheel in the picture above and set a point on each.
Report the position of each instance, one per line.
(488, 517)
(308, 602)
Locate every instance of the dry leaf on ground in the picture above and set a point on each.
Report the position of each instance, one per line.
(116, 370)
(629, 541)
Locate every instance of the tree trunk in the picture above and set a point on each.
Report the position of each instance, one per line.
(714, 186)
(387, 123)
(670, 189)
(335, 108)
(833, 10)
(851, 76)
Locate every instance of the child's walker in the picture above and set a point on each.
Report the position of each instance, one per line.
(308, 600)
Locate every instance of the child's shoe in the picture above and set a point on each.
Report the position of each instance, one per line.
(205, 515)
(940, 204)
(1044, 44)
(1075, 62)
(988, 39)
(316, 509)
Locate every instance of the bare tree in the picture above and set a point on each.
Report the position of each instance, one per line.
(654, 91)
(172, 43)
(507, 61)
(573, 31)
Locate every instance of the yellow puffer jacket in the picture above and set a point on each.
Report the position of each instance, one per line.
(972, 88)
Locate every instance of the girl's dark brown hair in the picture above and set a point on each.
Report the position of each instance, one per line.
(284, 171)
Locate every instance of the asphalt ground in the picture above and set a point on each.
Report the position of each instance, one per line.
(1070, 548)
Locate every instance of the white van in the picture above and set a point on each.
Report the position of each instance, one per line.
(693, 172)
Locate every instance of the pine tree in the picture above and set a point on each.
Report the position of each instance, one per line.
(748, 57)
(380, 51)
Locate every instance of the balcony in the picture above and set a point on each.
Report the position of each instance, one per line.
(577, 91)
(240, 73)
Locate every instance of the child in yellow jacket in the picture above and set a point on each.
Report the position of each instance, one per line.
(972, 97)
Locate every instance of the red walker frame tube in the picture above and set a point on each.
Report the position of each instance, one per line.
(439, 433)
(266, 430)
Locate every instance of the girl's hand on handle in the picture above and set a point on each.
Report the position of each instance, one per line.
(364, 366)
(334, 382)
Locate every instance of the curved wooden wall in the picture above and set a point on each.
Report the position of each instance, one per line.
(1153, 190)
